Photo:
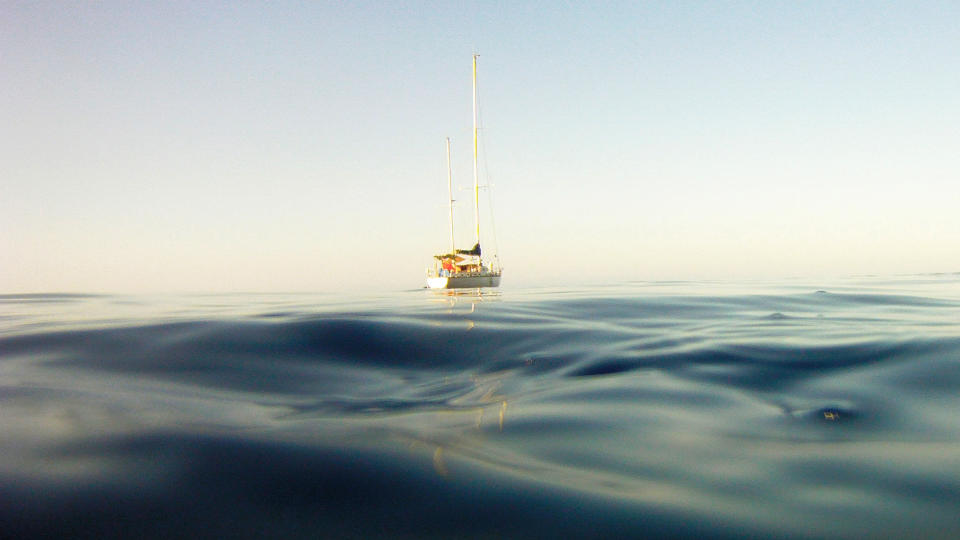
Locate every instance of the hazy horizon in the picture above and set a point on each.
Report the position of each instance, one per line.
(187, 147)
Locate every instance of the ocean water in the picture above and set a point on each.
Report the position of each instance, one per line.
(789, 409)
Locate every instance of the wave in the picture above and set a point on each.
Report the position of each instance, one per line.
(627, 412)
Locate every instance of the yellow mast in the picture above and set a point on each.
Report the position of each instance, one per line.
(476, 175)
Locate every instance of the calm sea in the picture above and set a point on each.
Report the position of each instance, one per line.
(656, 409)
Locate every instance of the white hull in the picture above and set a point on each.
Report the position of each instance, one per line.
(464, 282)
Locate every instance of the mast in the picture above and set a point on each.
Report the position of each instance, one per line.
(476, 175)
(453, 248)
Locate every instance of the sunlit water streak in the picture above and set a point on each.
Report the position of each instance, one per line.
(697, 409)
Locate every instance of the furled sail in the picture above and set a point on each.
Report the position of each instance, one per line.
(474, 251)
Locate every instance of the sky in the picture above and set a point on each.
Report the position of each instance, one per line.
(299, 146)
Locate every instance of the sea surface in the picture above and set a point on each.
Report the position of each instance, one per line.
(789, 409)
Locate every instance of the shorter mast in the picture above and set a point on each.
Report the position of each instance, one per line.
(453, 249)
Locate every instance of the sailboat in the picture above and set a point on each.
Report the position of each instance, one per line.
(465, 268)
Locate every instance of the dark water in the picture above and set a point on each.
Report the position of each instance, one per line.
(789, 409)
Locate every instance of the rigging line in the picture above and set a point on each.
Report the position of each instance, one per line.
(493, 227)
(486, 169)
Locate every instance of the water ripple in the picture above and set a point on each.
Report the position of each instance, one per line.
(653, 409)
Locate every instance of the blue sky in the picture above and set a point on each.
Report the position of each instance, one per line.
(190, 146)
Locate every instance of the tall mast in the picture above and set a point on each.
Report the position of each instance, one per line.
(476, 175)
(453, 248)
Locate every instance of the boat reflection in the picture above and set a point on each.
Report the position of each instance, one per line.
(461, 429)
(480, 294)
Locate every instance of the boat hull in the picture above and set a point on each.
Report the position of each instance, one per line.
(464, 282)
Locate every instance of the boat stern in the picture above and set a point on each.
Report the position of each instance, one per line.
(437, 282)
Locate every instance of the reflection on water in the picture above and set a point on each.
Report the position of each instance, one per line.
(649, 409)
